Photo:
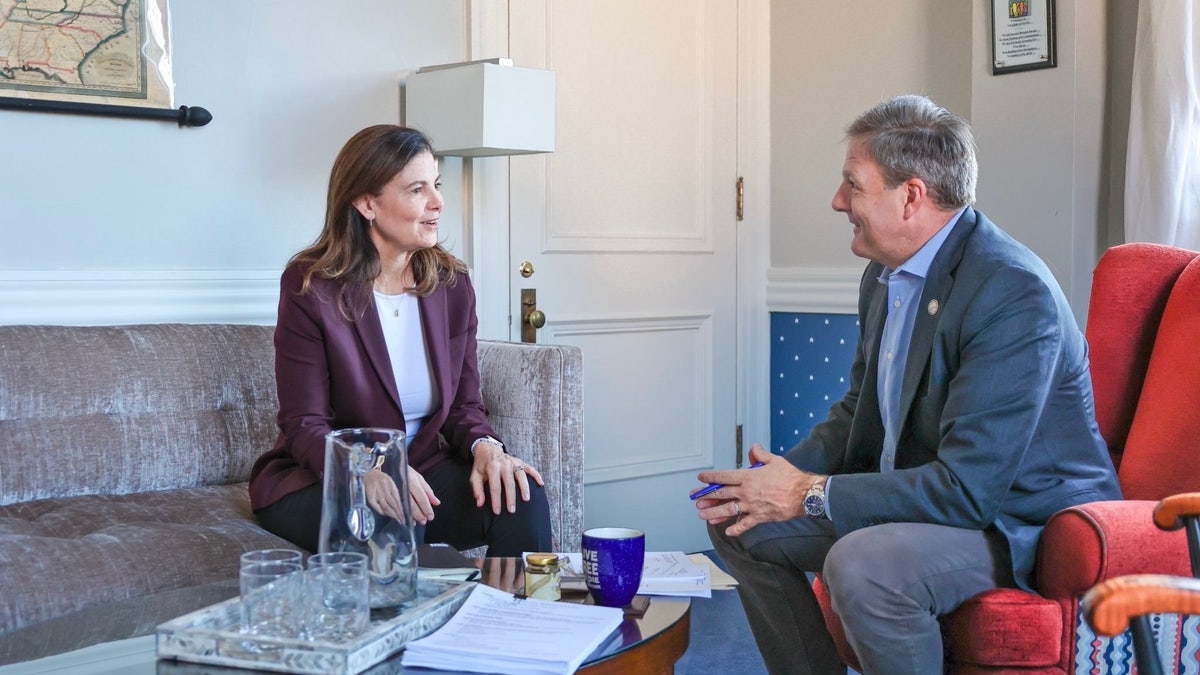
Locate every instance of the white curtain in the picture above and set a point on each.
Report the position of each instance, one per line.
(1162, 173)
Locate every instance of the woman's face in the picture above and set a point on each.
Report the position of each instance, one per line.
(405, 213)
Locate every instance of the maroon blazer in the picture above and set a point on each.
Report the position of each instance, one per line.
(333, 373)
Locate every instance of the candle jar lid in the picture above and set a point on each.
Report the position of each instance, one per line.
(541, 560)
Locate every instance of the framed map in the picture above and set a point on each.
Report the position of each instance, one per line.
(86, 51)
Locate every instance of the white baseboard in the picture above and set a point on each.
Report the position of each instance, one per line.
(817, 290)
(103, 297)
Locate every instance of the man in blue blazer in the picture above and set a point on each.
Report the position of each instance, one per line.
(969, 421)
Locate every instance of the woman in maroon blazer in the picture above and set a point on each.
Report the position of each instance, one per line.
(377, 329)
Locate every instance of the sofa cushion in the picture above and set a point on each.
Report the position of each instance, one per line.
(125, 409)
(114, 547)
(1006, 627)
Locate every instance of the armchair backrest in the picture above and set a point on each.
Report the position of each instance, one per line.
(1130, 288)
(1161, 455)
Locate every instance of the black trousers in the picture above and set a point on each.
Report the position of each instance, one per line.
(456, 521)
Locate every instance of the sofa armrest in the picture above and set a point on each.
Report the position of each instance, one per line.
(1087, 544)
(534, 397)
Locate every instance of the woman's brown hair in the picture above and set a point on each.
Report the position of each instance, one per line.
(344, 251)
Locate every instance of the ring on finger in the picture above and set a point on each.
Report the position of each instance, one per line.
(519, 468)
(737, 509)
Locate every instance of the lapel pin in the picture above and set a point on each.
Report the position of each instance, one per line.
(933, 307)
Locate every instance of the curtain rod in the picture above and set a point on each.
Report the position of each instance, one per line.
(186, 116)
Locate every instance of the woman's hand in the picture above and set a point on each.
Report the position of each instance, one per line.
(384, 497)
(503, 475)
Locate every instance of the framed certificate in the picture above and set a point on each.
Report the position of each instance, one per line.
(1022, 35)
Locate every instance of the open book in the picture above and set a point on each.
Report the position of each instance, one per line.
(496, 632)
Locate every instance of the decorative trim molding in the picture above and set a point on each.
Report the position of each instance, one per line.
(692, 451)
(819, 290)
(106, 297)
(754, 233)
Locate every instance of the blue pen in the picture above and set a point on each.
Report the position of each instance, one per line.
(717, 486)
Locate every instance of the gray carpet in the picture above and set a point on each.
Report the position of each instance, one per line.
(721, 641)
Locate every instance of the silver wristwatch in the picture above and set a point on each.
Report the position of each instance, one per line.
(814, 500)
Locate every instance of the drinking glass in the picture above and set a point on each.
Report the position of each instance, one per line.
(336, 588)
(270, 598)
(265, 555)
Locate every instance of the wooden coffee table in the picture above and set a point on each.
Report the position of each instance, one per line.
(651, 643)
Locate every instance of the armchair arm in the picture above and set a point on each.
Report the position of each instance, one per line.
(534, 397)
(1090, 543)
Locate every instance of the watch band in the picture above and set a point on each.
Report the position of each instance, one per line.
(814, 500)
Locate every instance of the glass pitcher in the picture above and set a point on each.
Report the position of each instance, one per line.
(349, 524)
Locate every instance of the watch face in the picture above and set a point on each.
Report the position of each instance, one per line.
(814, 506)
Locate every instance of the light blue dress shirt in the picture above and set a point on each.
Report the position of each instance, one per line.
(905, 285)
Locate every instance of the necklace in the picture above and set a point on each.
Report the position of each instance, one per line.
(388, 300)
(383, 293)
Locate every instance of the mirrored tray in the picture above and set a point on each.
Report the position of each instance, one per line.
(211, 635)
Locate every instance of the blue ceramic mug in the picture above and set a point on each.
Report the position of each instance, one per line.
(612, 564)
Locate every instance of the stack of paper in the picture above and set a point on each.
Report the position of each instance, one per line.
(494, 632)
(663, 573)
(719, 578)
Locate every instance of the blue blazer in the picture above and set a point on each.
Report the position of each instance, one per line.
(999, 428)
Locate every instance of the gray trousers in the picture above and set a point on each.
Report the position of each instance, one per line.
(888, 583)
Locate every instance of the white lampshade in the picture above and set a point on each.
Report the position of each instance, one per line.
(482, 108)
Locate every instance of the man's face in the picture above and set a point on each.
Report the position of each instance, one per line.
(877, 212)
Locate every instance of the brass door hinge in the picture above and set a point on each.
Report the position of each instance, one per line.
(741, 198)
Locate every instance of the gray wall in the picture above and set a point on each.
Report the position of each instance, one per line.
(1043, 135)
(92, 201)
(829, 62)
(100, 214)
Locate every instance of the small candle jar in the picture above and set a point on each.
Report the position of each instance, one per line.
(541, 577)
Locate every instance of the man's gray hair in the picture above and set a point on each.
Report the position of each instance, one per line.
(910, 136)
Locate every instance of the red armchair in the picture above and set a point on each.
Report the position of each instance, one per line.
(1144, 316)
(1126, 602)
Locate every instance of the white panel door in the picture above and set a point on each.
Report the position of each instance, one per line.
(630, 226)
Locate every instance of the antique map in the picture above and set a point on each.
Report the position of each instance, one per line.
(92, 51)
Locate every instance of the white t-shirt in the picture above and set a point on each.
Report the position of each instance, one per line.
(405, 339)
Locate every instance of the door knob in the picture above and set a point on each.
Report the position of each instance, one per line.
(532, 318)
(526, 269)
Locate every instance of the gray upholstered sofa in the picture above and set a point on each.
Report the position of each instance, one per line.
(124, 456)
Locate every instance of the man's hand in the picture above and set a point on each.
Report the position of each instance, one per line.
(771, 493)
(504, 476)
